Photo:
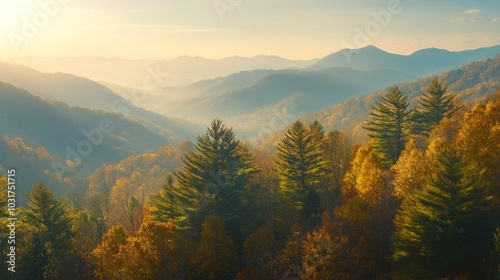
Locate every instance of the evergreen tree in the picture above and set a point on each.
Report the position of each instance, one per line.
(433, 106)
(445, 229)
(172, 203)
(37, 259)
(317, 130)
(218, 174)
(388, 126)
(301, 168)
(45, 209)
(48, 212)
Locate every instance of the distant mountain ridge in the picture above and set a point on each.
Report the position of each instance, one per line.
(472, 83)
(247, 100)
(422, 62)
(85, 93)
(44, 137)
(182, 70)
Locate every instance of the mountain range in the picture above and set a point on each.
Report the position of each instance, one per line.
(85, 93)
(423, 62)
(56, 143)
(471, 84)
(249, 99)
(45, 117)
(181, 70)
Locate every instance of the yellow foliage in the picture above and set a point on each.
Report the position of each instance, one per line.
(216, 256)
(478, 141)
(410, 170)
(104, 256)
(365, 176)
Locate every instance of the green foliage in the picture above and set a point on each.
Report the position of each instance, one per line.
(43, 122)
(445, 229)
(217, 179)
(50, 241)
(171, 202)
(496, 240)
(38, 259)
(44, 209)
(4, 230)
(85, 239)
(470, 84)
(389, 126)
(301, 167)
(433, 106)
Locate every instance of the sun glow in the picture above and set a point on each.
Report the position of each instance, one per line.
(13, 11)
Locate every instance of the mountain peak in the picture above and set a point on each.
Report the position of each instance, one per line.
(371, 48)
(368, 48)
(430, 51)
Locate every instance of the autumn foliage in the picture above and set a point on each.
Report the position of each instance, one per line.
(418, 200)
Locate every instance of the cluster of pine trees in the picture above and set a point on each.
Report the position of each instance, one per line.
(419, 200)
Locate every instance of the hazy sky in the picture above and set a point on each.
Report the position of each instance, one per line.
(295, 29)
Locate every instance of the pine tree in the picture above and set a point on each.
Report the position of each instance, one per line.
(433, 106)
(445, 229)
(45, 209)
(389, 125)
(317, 130)
(172, 203)
(37, 259)
(47, 212)
(218, 174)
(301, 168)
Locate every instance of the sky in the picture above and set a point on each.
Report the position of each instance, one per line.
(293, 29)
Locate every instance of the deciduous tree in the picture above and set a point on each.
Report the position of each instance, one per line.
(216, 256)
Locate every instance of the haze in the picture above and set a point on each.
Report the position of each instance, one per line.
(214, 29)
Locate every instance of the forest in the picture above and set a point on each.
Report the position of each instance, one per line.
(419, 199)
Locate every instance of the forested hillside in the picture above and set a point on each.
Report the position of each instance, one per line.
(60, 144)
(85, 93)
(419, 200)
(471, 84)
